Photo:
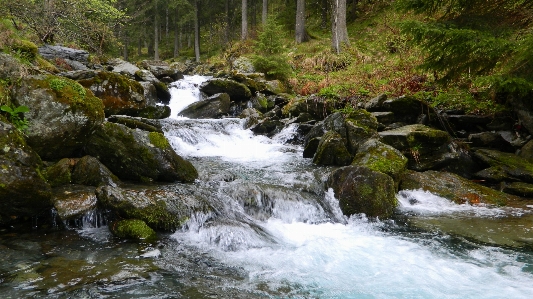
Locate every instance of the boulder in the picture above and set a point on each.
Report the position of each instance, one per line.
(133, 229)
(159, 68)
(332, 150)
(376, 104)
(453, 187)
(381, 157)
(318, 107)
(490, 140)
(11, 68)
(494, 175)
(469, 123)
(519, 189)
(150, 93)
(60, 173)
(311, 147)
(62, 116)
(363, 190)
(523, 108)
(252, 117)
(72, 201)
(78, 75)
(243, 65)
(155, 112)
(165, 207)
(406, 109)
(138, 155)
(255, 82)
(237, 91)
(510, 164)
(214, 106)
(526, 151)
(52, 52)
(261, 103)
(123, 67)
(384, 118)
(23, 191)
(91, 172)
(136, 123)
(119, 94)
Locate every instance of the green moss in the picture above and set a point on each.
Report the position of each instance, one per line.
(26, 50)
(158, 140)
(156, 216)
(363, 119)
(59, 174)
(133, 229)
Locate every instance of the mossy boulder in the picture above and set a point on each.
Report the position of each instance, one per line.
(26, 49)
(360, 126)
(133, 229)
(23, 190)
(123, 67)
(60, 173)
(509, 164)
(237, 91)
(406, 109)
(11, 68)
(138, 155)
(519, 189)
(91, 172)
(72, 201)
(214, 106)
(261, 103)
(63, 114)
(136, 123)
(119, 94)
(253, 117)
(318, 107)
(453, 187)
(332, 150)
(162, 91)
(381, 157)
(164, 208)
(362, 190)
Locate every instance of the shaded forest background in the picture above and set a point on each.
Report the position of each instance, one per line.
(469, 55)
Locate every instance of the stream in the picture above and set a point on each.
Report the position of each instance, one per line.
(276, 233)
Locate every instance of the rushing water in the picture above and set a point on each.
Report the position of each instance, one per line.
(275, 233)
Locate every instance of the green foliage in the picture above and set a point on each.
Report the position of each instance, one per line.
(14, 116)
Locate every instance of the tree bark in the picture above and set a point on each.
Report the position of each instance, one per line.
(301, 33)
(244, 20)
(265, 12)
(196, 32)
(176, 34)
(156, 32)
(338, 25)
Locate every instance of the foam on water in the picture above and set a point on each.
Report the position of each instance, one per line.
(185, 92)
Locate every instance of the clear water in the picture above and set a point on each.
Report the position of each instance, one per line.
(276, 233)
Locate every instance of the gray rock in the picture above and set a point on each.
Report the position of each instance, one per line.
(252, 117)
(237, 91)
(91, 172)
(23, 191)
(490, 140)
(78, 75)
(123, 67)
(332, 150)
(150, 93)
(159, 68)
(138, 155)
(52, 52)
(10, 68)
(144, 124)
(214, 106)
(406, 109)
(511, 164)
(362, 190)
(72, 201)
(243, 65)
(376, 104)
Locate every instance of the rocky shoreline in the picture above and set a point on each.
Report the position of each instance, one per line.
(94, 140)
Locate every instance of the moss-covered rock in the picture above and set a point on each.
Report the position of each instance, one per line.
(23, 190)
(138, 155)
(510, 164)
(519, 189)
(332, 150)
(453, 187)
(26, 49)
(214, 106)
(72, 201)
(237, 91)
(381, 157)
(406, 108)
(91, 172)
(360, 126)
(60, 173)
(318, 107)
(136, 123)
(62, 115)
(133, 229)
(252, 117)
(363, 190)
(165, 208)
(11, 68)
(119, 94)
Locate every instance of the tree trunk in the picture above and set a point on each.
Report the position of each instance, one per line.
(338, 25)
(301, 33)
(126, 44)
(156, 32)
(324, 14)
(265, 12)
(244, 23)
(176, 34)
(196, 32)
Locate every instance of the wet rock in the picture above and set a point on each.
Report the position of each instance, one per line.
(91, 172)
(261, 103)
(519, 189)
(268, 126)
(165, 208)
(311, 147)
(237, 91)
(362, 190)
(119, 94)
(493, 175)
(136, 123)
(23, 191)
(334, 122)
(255, 82)
(155, 112)
(490, 140)
(60, 173)
(453, 187)
(52, 52)
(511, 164)
(381, 157)
(360, 126)
(150, 93)
(332, 151)
(62, 116)
(252, 117)
(133, 229)
(214, 106)
(72, 201)
(138, 155)
(470, 123)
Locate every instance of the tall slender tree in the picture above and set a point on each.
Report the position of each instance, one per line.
(196, 32)
(300, 30)
(244, 20)
(264, 12)
(156, 31)
(339, 31)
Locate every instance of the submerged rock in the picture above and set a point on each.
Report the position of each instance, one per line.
(453, 187)
(23, 190)
(62, 115)
(133, 229)
(363, 190)
(138, 155)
